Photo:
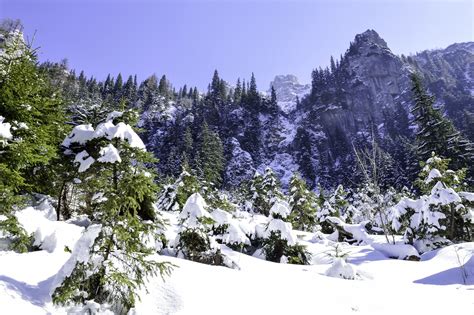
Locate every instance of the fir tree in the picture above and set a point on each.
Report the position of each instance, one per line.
(31, 125)
(112, 161)
(264, 191)
(436, 133)
(211, 157)
(193, 241)
(303, 205)
(279, 244)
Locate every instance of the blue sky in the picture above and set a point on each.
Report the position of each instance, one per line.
(187, 40)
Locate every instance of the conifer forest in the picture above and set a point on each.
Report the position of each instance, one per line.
(131, 194)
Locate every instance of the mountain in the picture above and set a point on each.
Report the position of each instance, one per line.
(288, 91)
(364, 96)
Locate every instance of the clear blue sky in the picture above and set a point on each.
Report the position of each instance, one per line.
(187, 40)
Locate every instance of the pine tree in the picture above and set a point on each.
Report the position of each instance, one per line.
(304, 154)
(238, 92)
(279, 244)
(441, 215)
(130, 92)
(111, 161)
(163, 87)
(436, 133)
(264, 191)
(193, 241)
(303, 205)
(31, 125)
(211, 157)
(118, 88)
(173, 196)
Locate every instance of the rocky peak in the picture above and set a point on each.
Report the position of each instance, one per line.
(288, 88)
(370, 37)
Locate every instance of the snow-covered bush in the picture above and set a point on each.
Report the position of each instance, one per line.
(279, 244)
(335, 206)
(341, 269)
(193, 241)
(440, 215)
(228, 231)
(326, 211)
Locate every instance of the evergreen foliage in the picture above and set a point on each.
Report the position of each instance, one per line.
(436, 133)
(32, 123)
(303, 205)
(113, 167)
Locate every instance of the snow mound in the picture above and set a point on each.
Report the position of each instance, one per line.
(52, 236)
(343, 270)
(79, 254)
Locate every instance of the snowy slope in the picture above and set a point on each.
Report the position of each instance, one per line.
(433, 285)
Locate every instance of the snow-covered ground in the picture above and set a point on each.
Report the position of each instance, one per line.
(434, 285)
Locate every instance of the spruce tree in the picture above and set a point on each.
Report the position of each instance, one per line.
(264, 191)
(211, 157)
(436, 133)
(112, 161)
(279, 244)
(31, 125)
(303, 205)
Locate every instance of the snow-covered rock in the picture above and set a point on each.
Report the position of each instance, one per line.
(288, 89)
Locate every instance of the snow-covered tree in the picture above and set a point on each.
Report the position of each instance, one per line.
(193, 241)
(227, 230)
(437, 133)
(279, 244)
(441, 215)
(111, 161)
(172, 197)
(303, 205)
(264, 191)
(333, 207)
(31, 127)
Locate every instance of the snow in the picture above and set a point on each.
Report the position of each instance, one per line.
(221, 217)
(125, 132)
(280, 208)
(278, 225)
(79, 254)
(467, 196)
(79, 134)
(109, 154)
(234, 235)
(193, 210)
(49, 235)
(5, 129)
(115, 114)
(341, 269)
(84, 160)
(442, 195)
(84, 133)
(434, 285)
(434, 173)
